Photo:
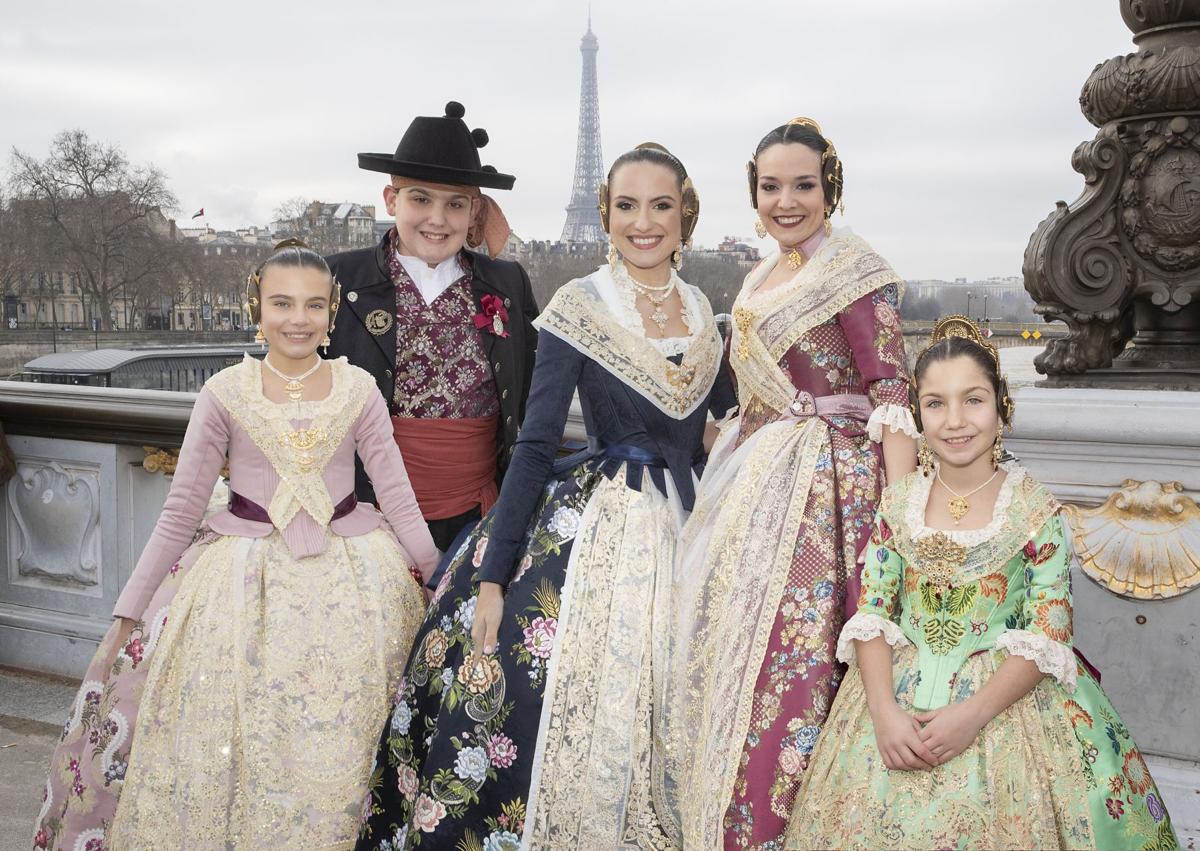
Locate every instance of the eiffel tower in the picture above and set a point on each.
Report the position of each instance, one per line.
(583, 217)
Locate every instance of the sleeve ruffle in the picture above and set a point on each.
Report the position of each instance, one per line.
(864, 626)
(895, 417)
(1051, 657)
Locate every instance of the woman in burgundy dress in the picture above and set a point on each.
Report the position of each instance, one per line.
(769, 558)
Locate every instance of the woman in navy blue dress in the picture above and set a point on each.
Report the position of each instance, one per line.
(526, 708)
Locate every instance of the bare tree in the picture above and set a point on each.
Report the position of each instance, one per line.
(106, 216)
(15, 249)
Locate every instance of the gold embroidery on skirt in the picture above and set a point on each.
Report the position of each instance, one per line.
(839, 805)
(266, 695)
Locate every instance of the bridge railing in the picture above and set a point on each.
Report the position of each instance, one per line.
(91, 478)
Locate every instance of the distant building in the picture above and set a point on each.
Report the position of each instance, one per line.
(251, 242)
(992, 287)
(332, 226)
(732, 250)
(54, 295)
(990, 298)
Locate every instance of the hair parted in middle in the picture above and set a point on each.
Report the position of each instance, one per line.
(291, 253)
(653, 152)
(807, 132)
(957, 336)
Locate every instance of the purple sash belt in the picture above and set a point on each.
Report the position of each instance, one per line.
(852, 405)
(247, 509)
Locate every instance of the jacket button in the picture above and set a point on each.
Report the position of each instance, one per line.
(352, 296)
(497, 365)
(508, 302)
(508, 420)
(504, 393)
(389, 373)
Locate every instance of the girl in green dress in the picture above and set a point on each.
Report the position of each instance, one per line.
(965, 719)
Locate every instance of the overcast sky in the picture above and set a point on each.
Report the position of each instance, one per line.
(956, 119)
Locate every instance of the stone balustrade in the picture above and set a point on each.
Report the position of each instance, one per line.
(74, 519)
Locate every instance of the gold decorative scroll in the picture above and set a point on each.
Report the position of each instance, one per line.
(1143, 542)
(160, 460)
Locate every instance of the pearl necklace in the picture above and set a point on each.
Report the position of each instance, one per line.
(958, 505)
(293, 386)
(656, 295)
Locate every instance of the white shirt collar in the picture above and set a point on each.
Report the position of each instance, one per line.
(431, 281)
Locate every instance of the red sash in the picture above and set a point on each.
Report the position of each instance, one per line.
(450, 462)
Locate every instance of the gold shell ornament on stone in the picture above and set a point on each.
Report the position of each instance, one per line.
(1143, 542)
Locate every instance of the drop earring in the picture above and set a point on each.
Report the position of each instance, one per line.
(925, 457)
(259, 338)
(998, 448)
(677, 258)
(613, 256)
(759, 228)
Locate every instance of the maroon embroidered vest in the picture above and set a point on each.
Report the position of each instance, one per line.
(442, 369)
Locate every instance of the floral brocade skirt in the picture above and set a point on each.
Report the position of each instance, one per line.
(89, 764)
(1054, 770)
(245, 714)
(546, 742)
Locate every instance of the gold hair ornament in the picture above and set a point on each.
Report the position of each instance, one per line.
(957, 325)
(836, 180)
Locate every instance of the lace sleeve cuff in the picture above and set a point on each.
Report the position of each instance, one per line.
(863, 627)
(895, 417)
(1051, 657)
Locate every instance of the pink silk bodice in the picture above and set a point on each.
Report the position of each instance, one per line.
(215, 435)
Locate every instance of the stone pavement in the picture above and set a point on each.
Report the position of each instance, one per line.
(33, 708)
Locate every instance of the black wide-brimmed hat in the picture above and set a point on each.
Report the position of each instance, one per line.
(440, 150)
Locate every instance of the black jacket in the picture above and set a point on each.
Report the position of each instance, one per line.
(367, 286)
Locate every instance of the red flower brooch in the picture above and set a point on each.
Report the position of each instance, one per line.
(494, 315)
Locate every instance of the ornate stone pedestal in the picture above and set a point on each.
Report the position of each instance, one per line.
(1121, 265)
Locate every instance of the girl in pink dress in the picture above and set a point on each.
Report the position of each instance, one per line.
(236, 699)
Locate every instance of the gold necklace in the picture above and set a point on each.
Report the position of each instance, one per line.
(294, 384)
(795, 259)
(957, 505)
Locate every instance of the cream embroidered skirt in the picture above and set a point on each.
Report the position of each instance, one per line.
(266, 694)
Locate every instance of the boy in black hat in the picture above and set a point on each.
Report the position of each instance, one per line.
(446, 331)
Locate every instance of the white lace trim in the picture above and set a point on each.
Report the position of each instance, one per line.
(1050, 656)
(863, 627)
(919, 500)
(895, 417)
(626, 312)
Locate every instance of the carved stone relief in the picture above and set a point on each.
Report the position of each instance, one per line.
(55, 510)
